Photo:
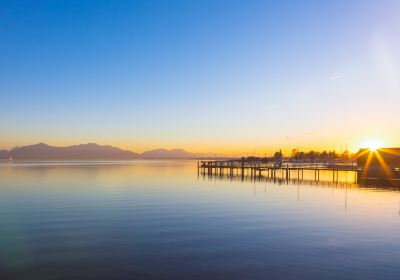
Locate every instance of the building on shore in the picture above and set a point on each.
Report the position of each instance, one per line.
(379, 163)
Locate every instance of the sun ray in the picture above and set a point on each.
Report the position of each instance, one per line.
(367, 163)
(383, 164)
(361, 153)
(389, 151)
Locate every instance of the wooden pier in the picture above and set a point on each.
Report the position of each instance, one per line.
(295, 170)
(287, 171)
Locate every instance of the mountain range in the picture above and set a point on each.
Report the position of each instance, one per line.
(91, 151)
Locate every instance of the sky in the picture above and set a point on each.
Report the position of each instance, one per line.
(236, 77)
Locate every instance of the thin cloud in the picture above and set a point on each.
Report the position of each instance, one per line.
(336, 76)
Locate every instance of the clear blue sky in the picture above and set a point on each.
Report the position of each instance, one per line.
(229, 76)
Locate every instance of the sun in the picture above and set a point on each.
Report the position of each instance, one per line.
(372, 144)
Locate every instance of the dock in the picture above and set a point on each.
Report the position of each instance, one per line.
(272, 170)
(295, 170)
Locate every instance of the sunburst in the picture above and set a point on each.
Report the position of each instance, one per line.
(372, 144)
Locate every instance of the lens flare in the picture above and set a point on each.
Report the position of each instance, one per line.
(372, 145)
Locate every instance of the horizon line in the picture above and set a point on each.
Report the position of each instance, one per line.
(239, 153)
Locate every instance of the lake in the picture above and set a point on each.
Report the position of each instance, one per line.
(162, 220)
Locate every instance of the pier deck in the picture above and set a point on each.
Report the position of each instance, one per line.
(293, 170)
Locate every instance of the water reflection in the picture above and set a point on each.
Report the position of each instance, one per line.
(341, 178)
(163, 220)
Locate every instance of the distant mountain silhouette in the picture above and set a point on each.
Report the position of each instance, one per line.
(163, 153)
(4, 154)
(89, 151)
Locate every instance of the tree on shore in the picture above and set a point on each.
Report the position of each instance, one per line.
(314, 156)
(278, 156)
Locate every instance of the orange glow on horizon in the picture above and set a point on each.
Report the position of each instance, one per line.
(206, 145)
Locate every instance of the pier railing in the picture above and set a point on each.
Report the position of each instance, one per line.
(268, 165)
(287, 170)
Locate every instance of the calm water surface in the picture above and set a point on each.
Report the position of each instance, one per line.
(160, 220)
